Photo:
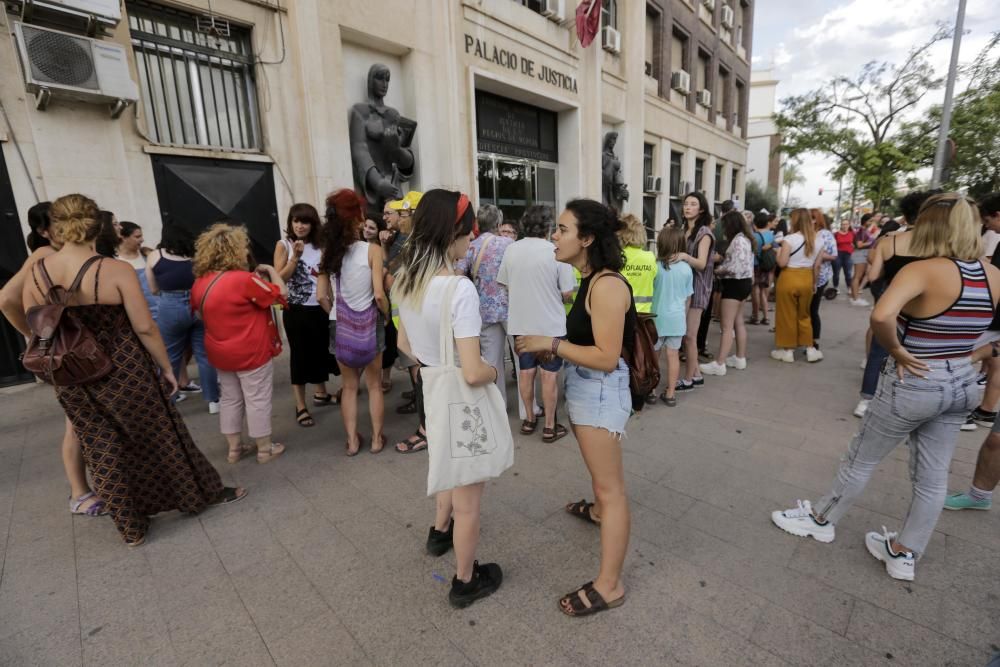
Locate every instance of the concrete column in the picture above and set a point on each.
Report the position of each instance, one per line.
(727, 181)
(688, 172)
(662, 169)
(632, 22)
(708, 181)
(589, 136)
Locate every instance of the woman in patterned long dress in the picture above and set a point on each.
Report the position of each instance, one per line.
(139, 452)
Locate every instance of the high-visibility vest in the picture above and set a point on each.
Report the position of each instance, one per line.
(640, 271)
(576, 288)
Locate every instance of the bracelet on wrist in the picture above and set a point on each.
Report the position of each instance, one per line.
(555, 345)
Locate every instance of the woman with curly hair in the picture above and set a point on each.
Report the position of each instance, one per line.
(241, 338)
(139, 452)
(599, 329)
(350, 288)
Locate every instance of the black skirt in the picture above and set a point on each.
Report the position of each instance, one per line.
(308, 331)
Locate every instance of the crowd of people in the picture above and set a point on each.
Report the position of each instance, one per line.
(358, 297)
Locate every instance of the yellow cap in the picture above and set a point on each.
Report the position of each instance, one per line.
(407, 203)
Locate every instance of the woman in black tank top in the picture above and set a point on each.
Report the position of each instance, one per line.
(601, 321)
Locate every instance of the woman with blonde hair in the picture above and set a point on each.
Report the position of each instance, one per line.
(139, 452)
(640, 264)
(928, 319)
(797, 257)
(241, 337)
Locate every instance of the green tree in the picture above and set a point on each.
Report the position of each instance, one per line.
(757, 197)
(791, 175)
(856, 120)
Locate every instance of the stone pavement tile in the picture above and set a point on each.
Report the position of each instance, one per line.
(802, 642)
(657, 497)
(35, 647)
(979, 528)
(644, 466)
(278, 596)
(907, 642)
(195, 610)
(242, 538)
(236, 645)
(321, 641)
(180, 550)
(121, 626)
(377, 534)
(967, 572)
(750, 537)
(531, 499)
(38, 594)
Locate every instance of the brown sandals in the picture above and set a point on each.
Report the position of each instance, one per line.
(572, 605)
(582, 510)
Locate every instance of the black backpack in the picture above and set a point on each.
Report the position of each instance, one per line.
(767, 260)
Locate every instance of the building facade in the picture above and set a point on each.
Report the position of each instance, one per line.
(244, 111)
(763, 158)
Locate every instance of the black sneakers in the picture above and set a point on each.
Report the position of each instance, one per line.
(983, 417)
(486, 579)
(438, 543)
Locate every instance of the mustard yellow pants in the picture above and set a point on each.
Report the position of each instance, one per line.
(792, 298)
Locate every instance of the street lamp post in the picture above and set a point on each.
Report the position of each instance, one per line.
(949, 90)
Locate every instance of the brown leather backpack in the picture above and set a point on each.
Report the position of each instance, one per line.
(62, 350)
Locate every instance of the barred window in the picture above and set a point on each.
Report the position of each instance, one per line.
(198, 88)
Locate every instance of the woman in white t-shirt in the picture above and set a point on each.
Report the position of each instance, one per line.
(296, 259)
(357, 266)
(442, 231)
(797, 257)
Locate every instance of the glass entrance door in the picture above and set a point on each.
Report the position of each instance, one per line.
(513, 185)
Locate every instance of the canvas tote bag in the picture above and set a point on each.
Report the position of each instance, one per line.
(468, 435)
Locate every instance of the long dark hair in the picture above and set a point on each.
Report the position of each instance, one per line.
(594, 219)
(441, 217)
(734, 224)
(704, 218)
(177, 240)
(107, 240)
(344, 212)
(38, 221)
(304, 213)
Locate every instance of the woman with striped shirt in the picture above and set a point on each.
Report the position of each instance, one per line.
(928, 319)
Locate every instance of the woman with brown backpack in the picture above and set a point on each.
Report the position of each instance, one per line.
(139, 452)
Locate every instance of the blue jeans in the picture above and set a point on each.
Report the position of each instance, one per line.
(179, 327)
(843, 261)
(873, 367)
(926, 412)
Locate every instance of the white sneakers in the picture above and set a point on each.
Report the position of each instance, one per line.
(213, 407)
(897, 565)
(859, 302)
(813, 355)
(799, 521)
(787, 356)
(864, 363)
(712, 368)
(739, 363)
(861, 408)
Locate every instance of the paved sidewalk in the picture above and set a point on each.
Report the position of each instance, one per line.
(323, 563)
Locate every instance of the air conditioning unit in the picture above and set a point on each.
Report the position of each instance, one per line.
(709, 5)
(652, 184)
(739, 35)
(74, 67)
(89, 16)
(554, 10)
(704, 98)
(611, 39)
(681, 81)
(728, 17)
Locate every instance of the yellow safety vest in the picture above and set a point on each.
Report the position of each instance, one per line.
(640, 271)
(576, 288)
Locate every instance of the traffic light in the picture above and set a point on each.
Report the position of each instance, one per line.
(821, 192)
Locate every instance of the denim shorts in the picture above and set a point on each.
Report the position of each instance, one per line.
(669, 342)
(529, 361)
(598, 399)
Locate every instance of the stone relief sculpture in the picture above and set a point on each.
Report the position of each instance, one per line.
(613, 187)
(380, 144)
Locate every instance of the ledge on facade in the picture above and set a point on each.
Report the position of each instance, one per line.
(518, 23)
(209, 153)
(685, 115)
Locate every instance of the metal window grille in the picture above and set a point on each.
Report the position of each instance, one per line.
(198, 88)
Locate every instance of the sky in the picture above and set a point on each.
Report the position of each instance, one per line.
(808, 42)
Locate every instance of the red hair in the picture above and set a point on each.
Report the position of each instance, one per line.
(346, 204)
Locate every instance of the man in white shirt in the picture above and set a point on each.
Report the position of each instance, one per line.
(538, 287)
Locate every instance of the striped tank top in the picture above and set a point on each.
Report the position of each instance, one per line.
(952, 333)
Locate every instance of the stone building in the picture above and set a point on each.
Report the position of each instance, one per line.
(763, 158)
(244, 111)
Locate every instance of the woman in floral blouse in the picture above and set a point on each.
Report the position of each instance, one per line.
(481, 264)
(827, 244)
(736, 273)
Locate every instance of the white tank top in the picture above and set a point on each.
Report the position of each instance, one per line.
(355, 278)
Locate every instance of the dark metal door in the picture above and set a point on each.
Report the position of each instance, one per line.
(12, 255)
(197, 192)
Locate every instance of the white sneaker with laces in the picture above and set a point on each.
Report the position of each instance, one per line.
(898, 565)
(813, 355)
(859, 302)
(861, 408)
(969, 425)
(799, 521)
(178, 397)
(864, 364)
(783, 355)
(739, 363)
(712, 368)
(213, 407)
